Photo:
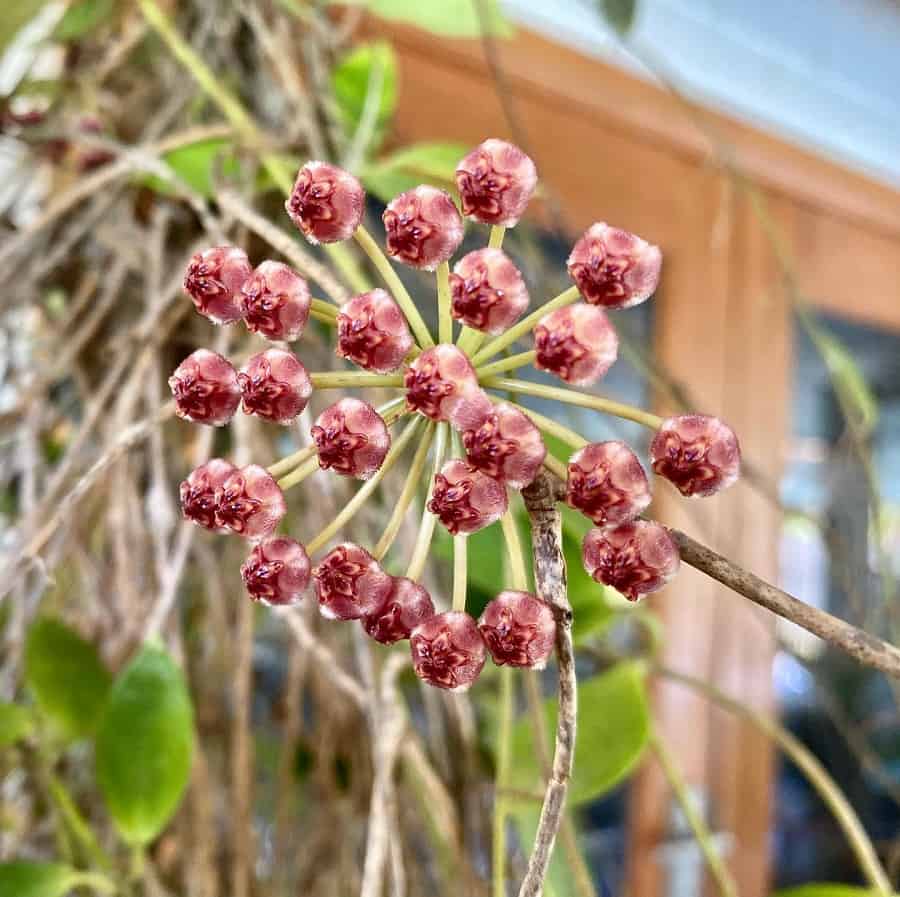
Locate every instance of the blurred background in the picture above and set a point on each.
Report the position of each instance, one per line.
(755, 143)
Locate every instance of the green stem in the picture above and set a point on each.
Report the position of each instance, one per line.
(721, 875)
(495, 241)
(445, 319)
(325, 309)
(548, 425)
(526, 325)
(299, 474)
(517, 569)
(316, 315)
(95, 881)
(426, 530)
(510, 363)
(504, 762)
(395, 285)
(362, 495)
(349, 379)
(554, 465)
(77, 825)
(583, 399)
(460, 571)
(470, 340)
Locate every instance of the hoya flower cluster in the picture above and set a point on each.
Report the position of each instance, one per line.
(443, 386)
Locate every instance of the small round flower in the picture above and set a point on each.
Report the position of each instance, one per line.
(206, 389)
(275, 386)
(506, 446)
(442, 384)
(275, 301)
(487, 291)
(466, 500)
(327, 203)
(407, 605)
(276, 572)
(448, 651)
(577, 343)
(372, 332)
(213, 281)
(495, 182)
(198, 492)
(250, 503)
(634, 558)
(351, 438)
(607, 483)
(613, 267)
(422, 227)
(518, 629)
(700, 455)
(350, 583)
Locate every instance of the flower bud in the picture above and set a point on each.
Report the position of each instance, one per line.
(327, 203)
(250, 503)
(198, 492)
(351, 438)
(442, 384)
(407, 605)
(276, 572)
(577, 343)
(506, 446)
(613, 267)
(448, 651)
(372, 332)
(422, 227)
(634, 558)
(466, 500)
(275, 385)
(518, 629)
(607, 483)
(350, 583)
(487, 291)
(213, 281)
(495, 182)
(205, 387)
(275, 302)
(700, 455)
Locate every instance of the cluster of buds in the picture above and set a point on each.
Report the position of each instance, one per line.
(500, 443)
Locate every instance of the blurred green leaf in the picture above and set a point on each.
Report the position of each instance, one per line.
(15, 723)
(450, 18)
(560, 881)
(82, 17)
(620, 14)
(432, 162)
(23, 878)
(826, 890)
(350, 83)
(145, 744)
(194, 165)
(613, 725)
(15, 16)
(66, 676)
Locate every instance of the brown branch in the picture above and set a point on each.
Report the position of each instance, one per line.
(541, 498)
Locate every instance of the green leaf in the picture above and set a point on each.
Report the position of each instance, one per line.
(826, 890)
(619, 14)
(450, 18)
(15, 723)
(22, 878)
(83, 17)
(145, 744)
(350, 81)
(613, 726)
(194, 164)
(69, 682)
(431, 162)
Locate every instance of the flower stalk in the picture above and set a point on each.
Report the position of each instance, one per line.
(495, 241)
(445, 320)
(350, 379)
(426, 530)
(510, 363)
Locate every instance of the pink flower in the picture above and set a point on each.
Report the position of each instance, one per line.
(275, 385)
(518, 629)
(613, 267)
(198, 492)
(350, 583)
(607, 483)
(495, 182)
(506, 446)
(448, 651)
(576, 343)
(634, 558)
(327, 203)
(352, 438)
(407, 605)
(250, 503)
(372, 332)
(487, 290)
(466, 500)
(422, 227)
(275, 302)
(205, 387)
(276, 572)
(213, 281)
(700, 455)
